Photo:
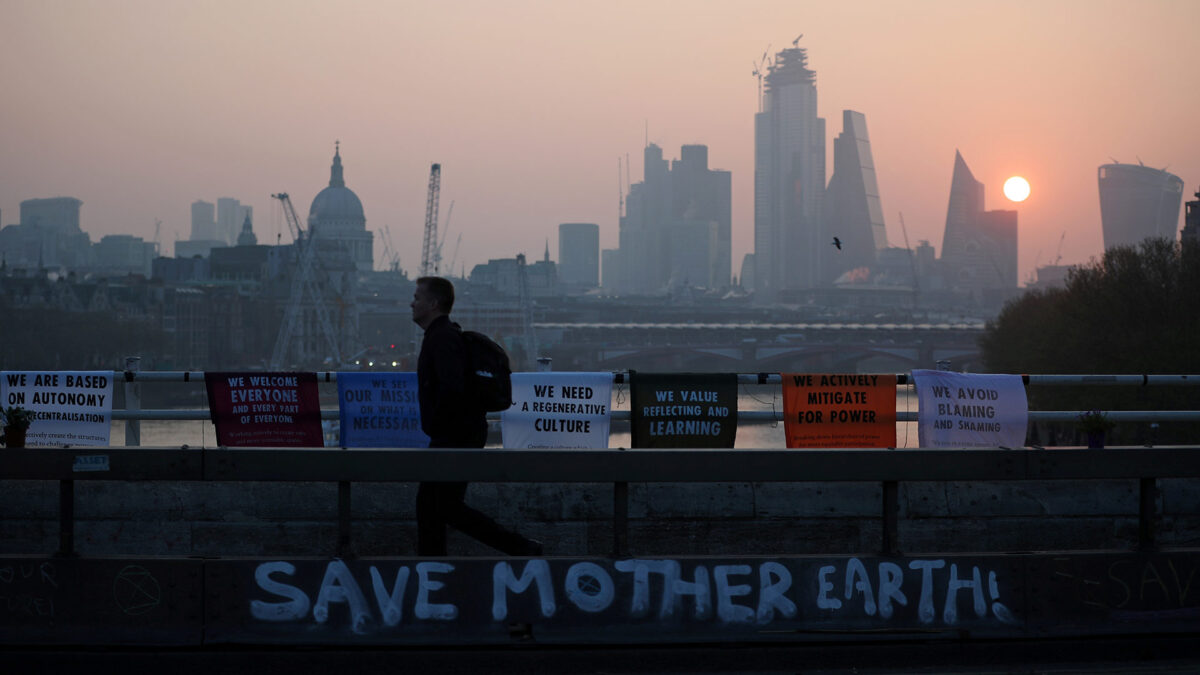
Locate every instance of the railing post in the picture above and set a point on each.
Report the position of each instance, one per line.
(133, 401)
(1148, 495)
(344, 546)
(620, 519)
(66, 518)
(891, 517)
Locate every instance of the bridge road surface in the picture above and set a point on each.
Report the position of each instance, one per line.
(1134, 655)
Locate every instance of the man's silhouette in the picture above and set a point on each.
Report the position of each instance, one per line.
(452, 419)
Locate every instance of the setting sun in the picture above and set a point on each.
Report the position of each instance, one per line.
(1016, 189)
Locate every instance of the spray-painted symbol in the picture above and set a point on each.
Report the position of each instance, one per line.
(136, 591)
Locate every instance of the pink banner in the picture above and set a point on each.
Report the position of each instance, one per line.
(276, 410)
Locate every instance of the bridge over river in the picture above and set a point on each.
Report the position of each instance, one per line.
(762, 347)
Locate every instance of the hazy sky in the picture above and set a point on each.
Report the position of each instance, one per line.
(139, 107)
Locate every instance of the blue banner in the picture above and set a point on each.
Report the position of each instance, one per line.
(380, 410)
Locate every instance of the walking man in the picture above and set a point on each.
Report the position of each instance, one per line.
(452, 419)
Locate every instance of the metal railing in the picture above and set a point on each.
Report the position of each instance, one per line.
(616, 466)
(133, 413)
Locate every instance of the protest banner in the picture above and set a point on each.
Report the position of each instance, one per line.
(683, 410)
(839, 411)
(70, 407)
(380, 410)
(558, 410)
(269, 410)
(962, 410)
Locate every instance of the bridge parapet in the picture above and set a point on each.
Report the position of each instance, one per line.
(641, 590)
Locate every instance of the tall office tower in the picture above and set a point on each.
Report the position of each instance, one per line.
(204, 221)
(579, 255)
(789, 180)
(677, 224)
(1191, 221)
(642, 227)
(701, 196)
(229, 219)
(611, 275)
(979, 248)
(1138, 202)
(853, 212)
(50, 234)
(998, 234)
(57, 214)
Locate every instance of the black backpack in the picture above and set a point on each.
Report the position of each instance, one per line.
(490, 375)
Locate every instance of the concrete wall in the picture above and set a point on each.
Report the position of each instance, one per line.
(291, 519)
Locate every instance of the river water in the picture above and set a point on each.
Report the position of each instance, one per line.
(202, 434)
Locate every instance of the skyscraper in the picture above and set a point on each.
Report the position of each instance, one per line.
(231, 213)
(642, 227)
(611, 274)
(853, 212)
(700, 198)
(676, 226)
(203, 221)
(1136, 202)
(979, 248)
(49, 234)
(57, 214)
(579, 255)
(789, 179)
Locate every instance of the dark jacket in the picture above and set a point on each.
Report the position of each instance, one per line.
(449, 415)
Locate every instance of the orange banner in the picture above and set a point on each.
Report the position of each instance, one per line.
(839, 411)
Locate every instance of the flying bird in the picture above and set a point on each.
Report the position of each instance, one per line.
(838, 243)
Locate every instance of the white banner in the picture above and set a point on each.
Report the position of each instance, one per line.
(961, 410)
(558, 410)
(70, 407)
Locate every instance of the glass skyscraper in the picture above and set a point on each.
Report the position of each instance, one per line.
(789, 180)
(979, 248)
(853, 211)
(1137, 202)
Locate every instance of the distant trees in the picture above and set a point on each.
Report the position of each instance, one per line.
(1136, 310)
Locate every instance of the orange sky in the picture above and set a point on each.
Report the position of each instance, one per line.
(139, 107)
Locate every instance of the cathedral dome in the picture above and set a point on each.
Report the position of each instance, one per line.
(336, 204)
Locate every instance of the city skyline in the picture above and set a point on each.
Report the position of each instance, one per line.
(140, 109)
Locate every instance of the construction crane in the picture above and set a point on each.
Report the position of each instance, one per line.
(157, 243)
(308, 280)
(429, 247)
(454, 256)
(437, 254)
(387, 253)
(761, 67)
(391, 257)
(289, 214)
(1058, 252)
